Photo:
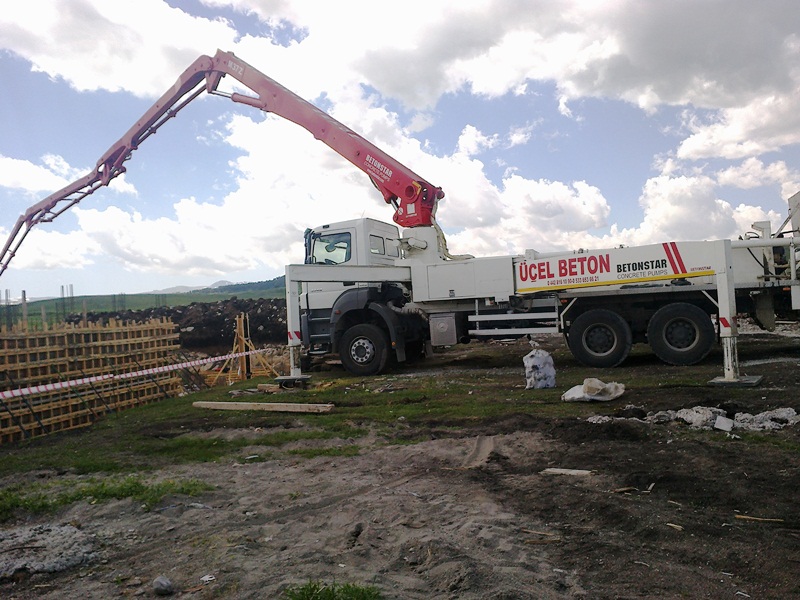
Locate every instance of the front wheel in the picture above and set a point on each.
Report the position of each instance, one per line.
(600, 338)
(681, 333)
(364, 349)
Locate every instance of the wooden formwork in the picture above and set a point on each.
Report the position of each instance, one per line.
(242, 366)
(81, 352)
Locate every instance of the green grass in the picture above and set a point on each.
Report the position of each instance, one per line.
(171, 432)
(315, 590)
(37, 499)
(189, 448)
(136, 452)
(781, 443)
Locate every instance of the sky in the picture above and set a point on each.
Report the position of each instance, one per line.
(549, 124)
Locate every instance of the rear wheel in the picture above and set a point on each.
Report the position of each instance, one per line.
(600, 338)
(681, 334)
(364, 349)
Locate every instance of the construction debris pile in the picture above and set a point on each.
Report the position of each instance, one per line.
(704, 417)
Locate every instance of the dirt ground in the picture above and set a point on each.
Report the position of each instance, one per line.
(647, 510)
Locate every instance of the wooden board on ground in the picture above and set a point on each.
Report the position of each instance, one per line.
(270, 406)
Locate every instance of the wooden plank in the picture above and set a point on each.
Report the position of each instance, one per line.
(269, 406)
(557, 471)
(759, 519)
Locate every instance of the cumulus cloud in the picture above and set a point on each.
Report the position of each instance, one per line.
(471, 141)
(24, 175)
(763, 125)
(47, 250)
(753, 173)
(53, 174)
(682, 207)
(138, 46)
(519, 136)
(165, 245)
(541, 215)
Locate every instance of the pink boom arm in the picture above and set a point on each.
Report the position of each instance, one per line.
(413, 198)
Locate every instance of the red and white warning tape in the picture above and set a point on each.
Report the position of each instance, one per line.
(61, 385)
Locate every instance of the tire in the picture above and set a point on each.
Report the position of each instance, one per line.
(364, 349)
(600, 338)
(681, 334)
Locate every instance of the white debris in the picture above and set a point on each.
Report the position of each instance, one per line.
(723, 423)
(662, 416)
(593, 389)
(701, 417)
(765, 421)
(597, 419)
(539, 370)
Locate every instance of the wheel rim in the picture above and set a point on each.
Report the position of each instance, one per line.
(599, 340)
(362, 350)
(680, 334)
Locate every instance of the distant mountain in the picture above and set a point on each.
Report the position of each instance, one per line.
(222, 286)
(178, 289)
(233, 288)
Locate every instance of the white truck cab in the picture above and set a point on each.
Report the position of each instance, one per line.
(351, 316)
(354, 242)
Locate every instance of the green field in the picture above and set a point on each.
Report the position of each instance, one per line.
(120, 302)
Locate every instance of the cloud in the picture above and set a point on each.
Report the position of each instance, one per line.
(519, 136)
(138, 47)
(764, 125)
(681, 207)
(164, 245)
(51, 176)
(46, 250)
(709, 55)
(24, 175)
(534, 214)
(471, 141)
(753, 173)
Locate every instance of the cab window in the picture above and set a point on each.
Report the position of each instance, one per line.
(377, 245)
(332, 249)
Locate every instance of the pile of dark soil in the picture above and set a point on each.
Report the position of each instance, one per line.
(210, 326)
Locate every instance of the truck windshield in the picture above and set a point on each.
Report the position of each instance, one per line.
(332, 248)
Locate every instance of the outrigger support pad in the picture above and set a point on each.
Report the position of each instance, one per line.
(288, 382)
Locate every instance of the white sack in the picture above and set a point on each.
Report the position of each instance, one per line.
(593, 389)
(539, 370)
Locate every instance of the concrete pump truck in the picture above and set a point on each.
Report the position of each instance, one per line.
(372, 291)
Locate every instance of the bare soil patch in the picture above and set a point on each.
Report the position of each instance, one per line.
(465, 510)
